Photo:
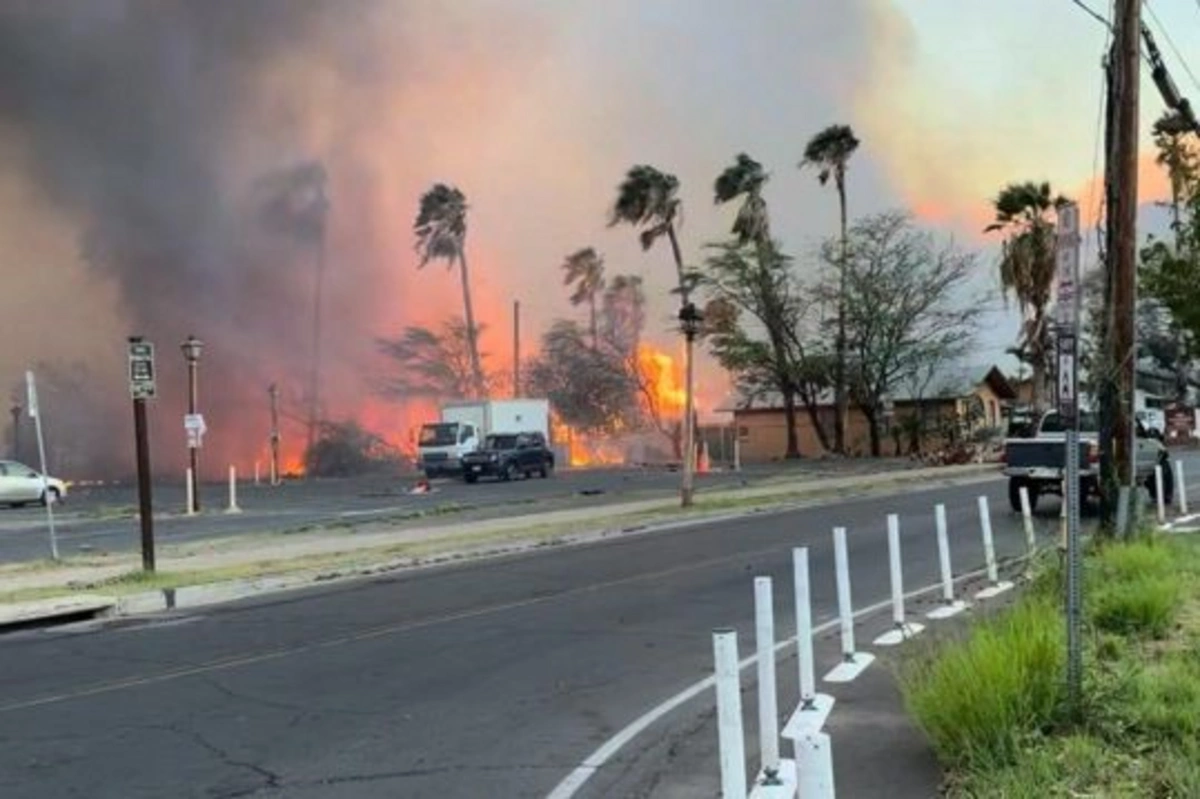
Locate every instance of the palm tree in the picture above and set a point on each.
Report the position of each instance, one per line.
(648, 200)
(745, 178)
(1027, 265)
(830, 151)
(585, 269)
(441, 229)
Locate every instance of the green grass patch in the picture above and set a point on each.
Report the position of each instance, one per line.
(992, 701)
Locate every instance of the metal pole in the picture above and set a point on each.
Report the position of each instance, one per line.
(47, 498)
(1181, 488)
(145, 503)
(687, 489)
(233, 503)
(16, 432)
(768, 710)
(1158, 494)
(1074, 573)
(314, 388)
(730, 739)
(516, 349)
(193, 450)
(273, 392)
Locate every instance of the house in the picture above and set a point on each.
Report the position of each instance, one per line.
(955, 404)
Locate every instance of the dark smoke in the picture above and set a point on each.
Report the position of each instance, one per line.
(147, 122)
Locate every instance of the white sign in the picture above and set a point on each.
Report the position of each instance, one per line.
(193, 423)
(1067, 272)
(31, 397)
(1066, 381)
(141, 370)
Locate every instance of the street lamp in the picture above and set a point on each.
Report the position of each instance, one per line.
(192, 347)
(15, 410)
(689, 323)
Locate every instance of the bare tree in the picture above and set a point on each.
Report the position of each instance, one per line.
(432, 363)
(906, 306)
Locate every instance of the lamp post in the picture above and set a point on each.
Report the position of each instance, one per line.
(15, 410)
(192, 347)
(689, 323)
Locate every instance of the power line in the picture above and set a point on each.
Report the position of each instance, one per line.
(1171, 43)
(1096, 16)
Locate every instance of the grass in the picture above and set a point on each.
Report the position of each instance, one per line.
(993, 704)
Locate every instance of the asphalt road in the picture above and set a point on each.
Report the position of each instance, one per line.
(102, 519)
(493, 679)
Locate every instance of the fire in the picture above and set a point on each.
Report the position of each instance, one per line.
(662, 380)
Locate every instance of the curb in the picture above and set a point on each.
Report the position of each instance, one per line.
(224, 591)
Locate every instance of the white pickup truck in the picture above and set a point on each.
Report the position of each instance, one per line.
(1038, 463)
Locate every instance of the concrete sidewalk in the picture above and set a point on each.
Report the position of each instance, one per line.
(340, 551)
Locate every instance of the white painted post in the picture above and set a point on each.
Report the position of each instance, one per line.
(804, 633)
(737, 454)
(256, 474)
(768, 710)
(814, 765)
(995, 587)
(191, 500)
(1027, 518)
(901, 629)
(233, 505)
(730, 740)
(1180, 488)
(853, 662)
(1158, 494)
(950, 606)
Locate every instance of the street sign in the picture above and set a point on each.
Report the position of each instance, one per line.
(1067, 309)
(194, 424)
(1067, 382)
(31, 397)
(141, 370)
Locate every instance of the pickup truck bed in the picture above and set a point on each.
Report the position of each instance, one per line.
(1040, 453)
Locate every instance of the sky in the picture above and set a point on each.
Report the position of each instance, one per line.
(128, 120)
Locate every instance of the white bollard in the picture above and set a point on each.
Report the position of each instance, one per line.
(191, 497)
(1027, 519)
(768, 709)
(995, 586)
(730, 739)
(737, 455)
(853, 663)
(950, 605)
(1180, 489)
(901, 630)
(814, 708)
(814, 765)
(233, 503)
(256, 474)
(1158, 494)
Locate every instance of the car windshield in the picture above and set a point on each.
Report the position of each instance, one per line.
(501, 442)
(439, 435)
(1053, 423)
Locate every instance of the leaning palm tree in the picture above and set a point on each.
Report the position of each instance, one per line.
(829, 152)
(648, 200)
(585, 270)
(745, 179)
(1027, 266)
(441, 229)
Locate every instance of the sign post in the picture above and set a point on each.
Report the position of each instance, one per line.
(1067, 279)
(31, 402)
(142, 387)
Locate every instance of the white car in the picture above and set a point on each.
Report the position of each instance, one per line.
(20, 485)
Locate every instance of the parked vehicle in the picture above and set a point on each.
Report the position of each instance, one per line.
(21, 485)
(463, 426)
(505, 455)
(1038, 463)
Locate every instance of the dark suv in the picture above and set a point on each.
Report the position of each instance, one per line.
(506, 455)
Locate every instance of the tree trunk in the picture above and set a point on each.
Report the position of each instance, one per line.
(840, 398)
(789, 415)
(814, 416)
(678, 255)
(595, 327)
(472, 330)
(873, 428)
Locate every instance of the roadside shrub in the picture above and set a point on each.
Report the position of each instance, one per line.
(1136, 606)
(1145, 557)
(1167, 701)
(978, 698)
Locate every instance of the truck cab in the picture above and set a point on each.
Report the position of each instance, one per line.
(442, 446)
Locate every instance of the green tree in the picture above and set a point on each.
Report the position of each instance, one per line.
(441, 231)
(829, 151)
(345, 449)
(431, 363)
(584, 269)
(589, 387)
(1025, 214)
(648, 200)
(758, 287)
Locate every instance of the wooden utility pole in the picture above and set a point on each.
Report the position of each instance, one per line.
(273, 393)
(1122, 259)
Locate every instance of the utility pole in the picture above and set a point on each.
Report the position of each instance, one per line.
(314, 377)
(516, 349)
(273, 392)
(143, 386)
(15, 410)
(1122, 258)
(193, 423)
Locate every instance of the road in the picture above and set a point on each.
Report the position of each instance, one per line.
(102, 519)
(492, 679)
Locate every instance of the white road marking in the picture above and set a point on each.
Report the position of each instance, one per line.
(571, 784)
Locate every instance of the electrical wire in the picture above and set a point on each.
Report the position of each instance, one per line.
(1096, 16)
(1171, 43)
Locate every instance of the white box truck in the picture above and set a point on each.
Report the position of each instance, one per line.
(462, 427)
